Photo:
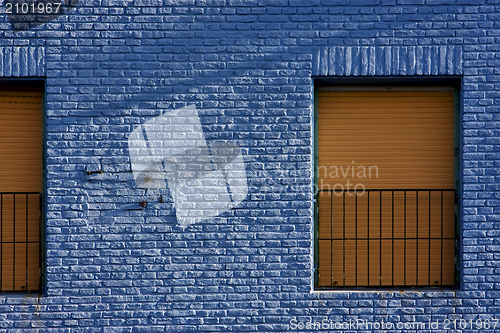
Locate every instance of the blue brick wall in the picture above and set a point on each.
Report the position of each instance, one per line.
(114, 266)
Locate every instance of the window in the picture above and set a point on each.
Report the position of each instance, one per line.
(385, 176)
(20, 187)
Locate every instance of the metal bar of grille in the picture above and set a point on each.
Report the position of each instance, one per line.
(380, 238)
(1, 240)
(40, 242)
(416, 213)
(356, 240)
(14, 240)
(377, 238)
(366, 190)
(368, 239)
(404, 220)
(331, 236)
(404, 255)
(26, 239)
(343, 240)
(429, 224)
(13, 237)
(441, 237)
(392, 220)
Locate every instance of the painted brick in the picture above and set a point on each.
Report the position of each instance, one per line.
(388, 60)
(114, 266)
(22, 61)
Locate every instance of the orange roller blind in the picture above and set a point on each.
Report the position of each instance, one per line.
(20, 140)
(20, 172)
(386, 139)
(399, 147)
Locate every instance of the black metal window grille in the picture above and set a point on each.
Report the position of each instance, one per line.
(386, 238)
(20, 244)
